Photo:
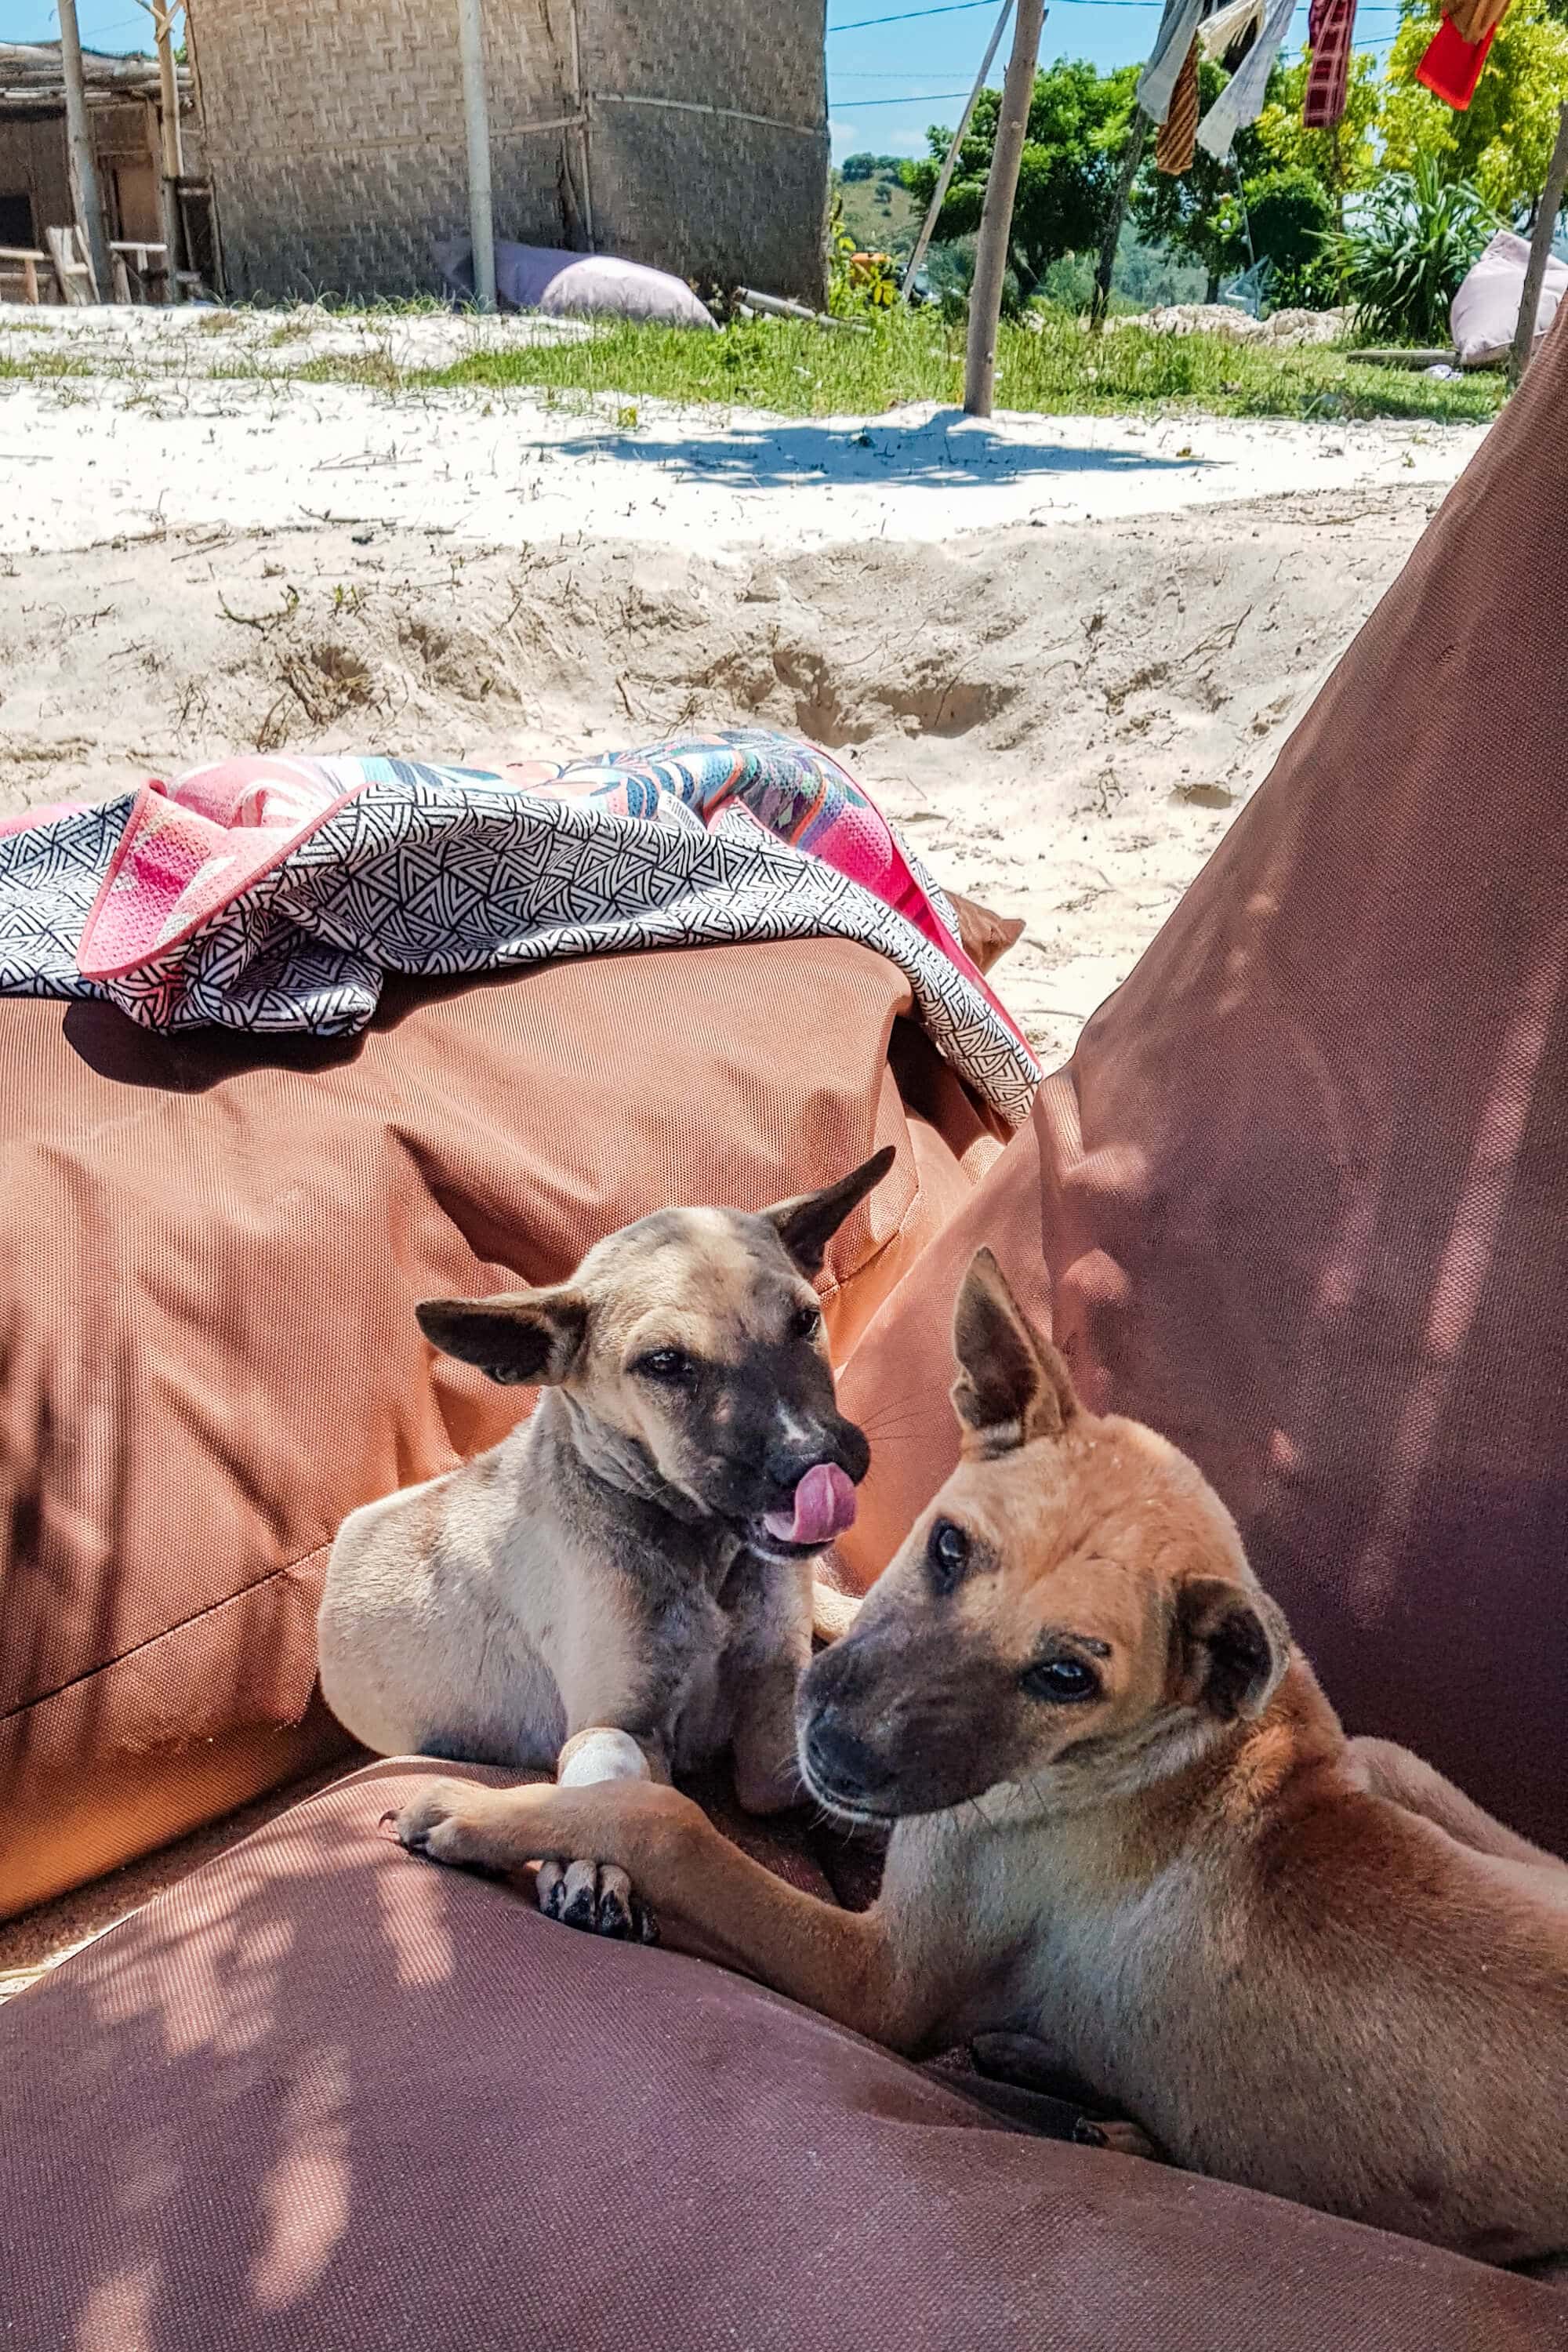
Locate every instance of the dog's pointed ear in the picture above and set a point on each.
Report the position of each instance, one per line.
(807, 1223)
(523, 1337)
(1231, 1646)
(1012, 1385)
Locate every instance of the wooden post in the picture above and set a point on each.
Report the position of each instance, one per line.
(1539, 250)
(476, 116)
(945, 177)
(1137, 134)
(584, 141)
(78, 141)
(173, 158)
(997, 219)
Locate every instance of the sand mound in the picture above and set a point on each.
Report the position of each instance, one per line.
(1284, 329)
(1067, 718)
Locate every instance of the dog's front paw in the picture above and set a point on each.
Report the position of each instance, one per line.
(598, 1897)
(443, 1823)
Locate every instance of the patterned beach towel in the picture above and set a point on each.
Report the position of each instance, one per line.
(274, 893)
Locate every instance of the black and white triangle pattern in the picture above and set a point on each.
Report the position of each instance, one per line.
(438, 874)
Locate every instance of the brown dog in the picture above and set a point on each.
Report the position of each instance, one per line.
(1127, 1824)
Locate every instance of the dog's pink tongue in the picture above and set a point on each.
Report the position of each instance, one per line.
(824, 1507)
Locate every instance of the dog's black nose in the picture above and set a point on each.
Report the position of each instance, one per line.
(787, 1464)
(787, 1461)
(841, 1763)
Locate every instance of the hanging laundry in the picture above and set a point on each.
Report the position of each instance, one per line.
(1241, 101)
(1230, 32)
(1168, 59)
(1452, 65)
(1330, 24)
(1178, 132)
(1474, 19)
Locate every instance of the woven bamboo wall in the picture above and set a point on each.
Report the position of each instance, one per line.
(335, 133)
(711, 195)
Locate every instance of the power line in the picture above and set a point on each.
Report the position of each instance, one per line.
(907, 17)
(913, 97)
(956, 8)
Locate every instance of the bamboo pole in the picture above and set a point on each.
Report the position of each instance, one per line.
(1540, 250)
(997, 220)
(945, 177)
(173, 158)
(476, 117)
(1137, 134)
(78, 141)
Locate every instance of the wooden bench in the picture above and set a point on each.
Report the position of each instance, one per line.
(131, 259)
(21, 262)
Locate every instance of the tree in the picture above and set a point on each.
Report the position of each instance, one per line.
(1344, 158)
(1197, 215)
(1078, 121)
(1275, 198)
(1502, 142)
(1290, 216)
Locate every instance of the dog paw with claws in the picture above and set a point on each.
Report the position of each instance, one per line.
(596, 1897)
(441, 1822)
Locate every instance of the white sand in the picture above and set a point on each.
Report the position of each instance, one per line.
(166, 444)
(1063, 649)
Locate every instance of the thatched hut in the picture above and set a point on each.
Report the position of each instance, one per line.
(688, 133)
(122, 122)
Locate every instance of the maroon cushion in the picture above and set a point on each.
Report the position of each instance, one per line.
(326, 2097)
(1300, 1198)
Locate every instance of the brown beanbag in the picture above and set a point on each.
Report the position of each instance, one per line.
(326, 2096)
(1300, 1198)
(210, 1354)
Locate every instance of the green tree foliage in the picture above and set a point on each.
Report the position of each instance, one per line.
(870, 167)
(1197, 215)
(1344, 158)
(1289, 216)
(1277, 196)
(1078, 120)
(1502, 142)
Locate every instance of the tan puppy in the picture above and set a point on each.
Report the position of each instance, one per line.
(1127, 1824)
(623, 1585)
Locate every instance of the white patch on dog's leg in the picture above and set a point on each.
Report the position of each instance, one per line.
(584, 1895)
(601, 1754)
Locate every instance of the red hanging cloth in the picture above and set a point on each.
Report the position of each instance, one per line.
(1452, 65)
(1331, 26)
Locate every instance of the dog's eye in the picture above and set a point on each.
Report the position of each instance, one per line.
(1063, 1679)
(947, 1555)
(666, 1364)
(805, 1323)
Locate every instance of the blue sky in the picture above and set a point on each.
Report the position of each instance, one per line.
(886, 82)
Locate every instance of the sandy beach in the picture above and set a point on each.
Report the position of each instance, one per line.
(1062, 650)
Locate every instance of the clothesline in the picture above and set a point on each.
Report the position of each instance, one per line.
(1169, 89)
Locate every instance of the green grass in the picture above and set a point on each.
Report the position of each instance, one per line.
(42, 367)
(793, 370)
(800, 371)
